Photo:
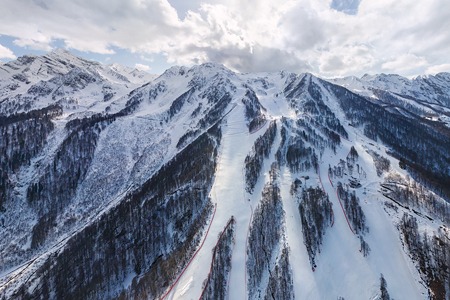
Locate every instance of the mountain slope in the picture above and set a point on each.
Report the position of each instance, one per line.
(327, 192)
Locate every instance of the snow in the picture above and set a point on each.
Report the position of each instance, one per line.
(429, 94)
(341, 253)
(342, 270)
(305, 286)
(60, 66)
(228, 192)
(130, 150)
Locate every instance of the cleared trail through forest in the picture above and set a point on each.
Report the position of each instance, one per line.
(340, 202)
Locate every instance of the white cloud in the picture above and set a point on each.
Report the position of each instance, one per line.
(142, 67)
(299, 35)
(345, 60)
(37, 44)
(438, 69)
(6, 53)
(91, 25)
(404, 62)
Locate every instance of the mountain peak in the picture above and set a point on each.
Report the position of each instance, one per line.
(61, 51)
(64, 56)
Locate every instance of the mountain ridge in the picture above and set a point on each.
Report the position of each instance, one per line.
(137, 177)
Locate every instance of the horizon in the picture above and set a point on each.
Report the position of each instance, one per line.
(136, 67)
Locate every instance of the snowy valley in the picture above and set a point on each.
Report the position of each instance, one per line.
(204, 183)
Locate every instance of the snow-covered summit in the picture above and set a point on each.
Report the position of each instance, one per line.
(133, 75)
(36, 81)
(426, 96)
(433, 89)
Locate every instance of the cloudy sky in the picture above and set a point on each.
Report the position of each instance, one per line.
(326, 37)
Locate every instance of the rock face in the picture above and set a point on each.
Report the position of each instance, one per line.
(115, 184)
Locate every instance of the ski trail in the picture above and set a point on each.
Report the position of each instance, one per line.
(340, 258)
(305, 286)
(228, 193)
(342, 207)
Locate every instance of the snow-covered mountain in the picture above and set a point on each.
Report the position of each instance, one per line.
(33, 82)
(205, 183)
(424, 96)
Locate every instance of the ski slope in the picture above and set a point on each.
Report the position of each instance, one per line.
(228, 193)
(342, 270)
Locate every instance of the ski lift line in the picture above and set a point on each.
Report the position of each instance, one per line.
(233, 126)
(231, 109)
(148, 119)
(25, 266)
(229, 123)
(236, 133)
(192, 258)
(52, 250)
(259, 127)
(207, 129)
(343, 211)
(235, 122)
(345, 138)
(213, 257)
